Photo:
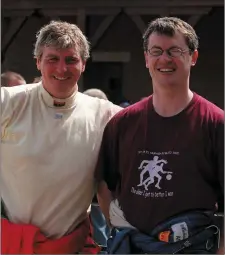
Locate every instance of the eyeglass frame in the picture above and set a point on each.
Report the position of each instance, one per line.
(168, 51)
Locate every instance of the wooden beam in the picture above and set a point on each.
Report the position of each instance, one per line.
(103, 10)
(138, 22)
(167, 11)
(17, 13)
(29, 4)
(50, 15)
(194, 19)
(111, 11)
(59, 12)
(12, 29)
(101, 29)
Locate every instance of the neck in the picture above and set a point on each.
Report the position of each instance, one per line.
(58, 102)
(62, 94)
(168, 103)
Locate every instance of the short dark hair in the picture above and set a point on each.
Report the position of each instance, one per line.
(168, 26)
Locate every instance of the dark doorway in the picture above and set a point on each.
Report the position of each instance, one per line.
(107, 76)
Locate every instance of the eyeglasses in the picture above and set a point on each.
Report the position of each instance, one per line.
(172, 52)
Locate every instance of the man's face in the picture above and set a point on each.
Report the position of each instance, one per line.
(60, 70)
(166, 70)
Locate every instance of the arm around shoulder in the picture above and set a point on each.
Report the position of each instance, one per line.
(6, 106)
(106, 173)
(104, 196)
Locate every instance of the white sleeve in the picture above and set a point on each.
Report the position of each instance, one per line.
(6, 106)
(115, 109)
(110, 110)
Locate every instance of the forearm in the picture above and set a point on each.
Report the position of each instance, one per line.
(104, 196)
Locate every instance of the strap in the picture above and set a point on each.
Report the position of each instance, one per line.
(202, 236)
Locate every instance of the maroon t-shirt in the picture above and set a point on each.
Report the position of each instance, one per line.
(160, 166)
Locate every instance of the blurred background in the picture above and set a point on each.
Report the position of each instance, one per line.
(114, 29)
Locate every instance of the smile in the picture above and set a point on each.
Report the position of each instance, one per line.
(166, 70)
(60, 78)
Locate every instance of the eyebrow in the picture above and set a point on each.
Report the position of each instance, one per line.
(52, 56)
(74, 57)
(172, 47)
(66, 57)
(155, 46)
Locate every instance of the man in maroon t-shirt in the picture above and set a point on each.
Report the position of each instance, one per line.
(163, 157)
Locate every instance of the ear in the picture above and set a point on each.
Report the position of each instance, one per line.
(38, 63)
(146, 59)
(194, 57)
(83, 66)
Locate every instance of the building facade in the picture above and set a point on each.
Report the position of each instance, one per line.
(114, 29)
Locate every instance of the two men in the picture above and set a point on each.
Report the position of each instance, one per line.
(51, 136)
(161, 166)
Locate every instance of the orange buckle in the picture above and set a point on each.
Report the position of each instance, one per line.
(164, 236)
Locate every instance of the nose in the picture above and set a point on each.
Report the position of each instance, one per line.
(165, 57)
(61, 67)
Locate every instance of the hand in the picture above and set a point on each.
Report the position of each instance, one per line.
(221, 248)
(221, 251)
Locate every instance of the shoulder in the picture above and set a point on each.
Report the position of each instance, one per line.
(14, 97)
(131, 113)
(209, 110)
(127, 120)
(102, 109)
(19, 91)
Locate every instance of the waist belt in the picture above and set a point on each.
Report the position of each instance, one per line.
(195, 229)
